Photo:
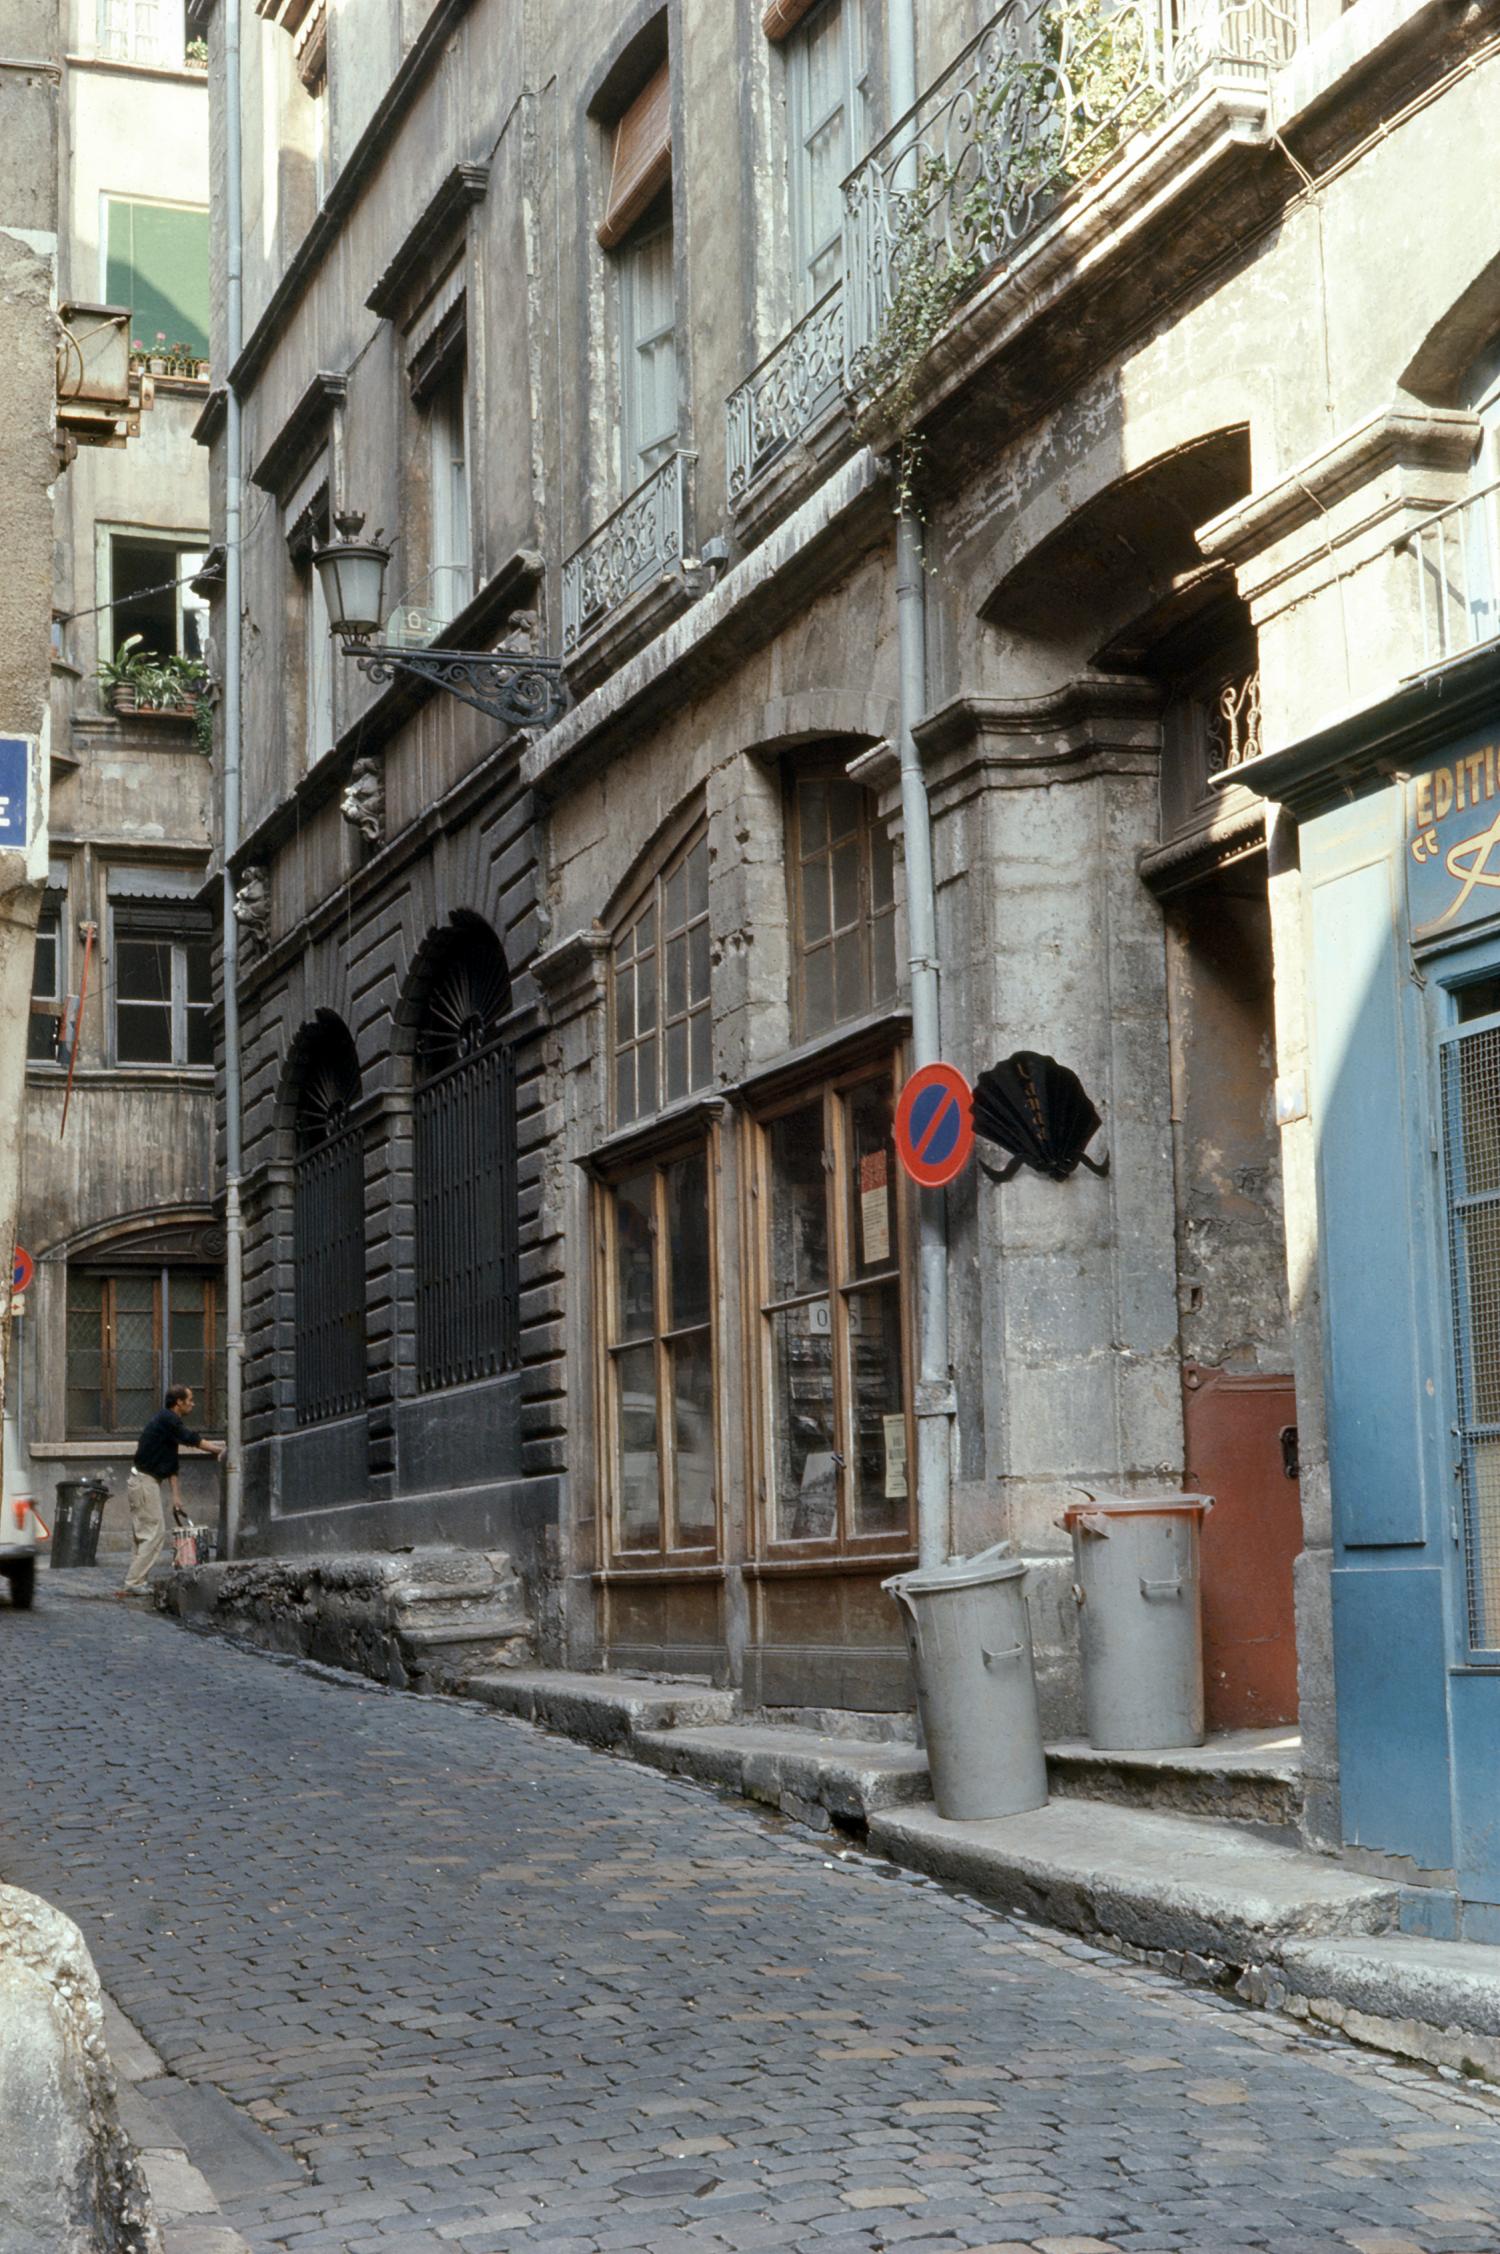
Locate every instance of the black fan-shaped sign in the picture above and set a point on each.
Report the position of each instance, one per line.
(1038, 1111)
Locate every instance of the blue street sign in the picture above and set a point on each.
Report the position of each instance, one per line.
(15, 775)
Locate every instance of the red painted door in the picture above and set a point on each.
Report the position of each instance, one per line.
(1237, 1454)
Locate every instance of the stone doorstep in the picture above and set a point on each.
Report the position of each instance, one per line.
(1170, 1885)
(814, 1779)
(1433, 2000)
(1241, 1776)
(607, 1710)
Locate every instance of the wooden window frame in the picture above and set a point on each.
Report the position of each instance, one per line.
(656, 1156)
(650, 892)
(830, 769)
(160, 1278)
(832, 1080)
(140, 920)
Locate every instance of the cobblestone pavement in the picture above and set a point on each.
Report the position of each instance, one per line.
(488, 1990)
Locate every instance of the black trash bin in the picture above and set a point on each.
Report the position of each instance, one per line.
(68, 1517)
(91, 1517)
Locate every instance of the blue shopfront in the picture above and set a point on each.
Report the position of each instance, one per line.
(1398, 836)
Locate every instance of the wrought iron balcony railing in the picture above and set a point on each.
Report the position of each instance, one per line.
(1458, 575)
(1234, 725)
(1034, 106)
(793, 386)
(646, 538)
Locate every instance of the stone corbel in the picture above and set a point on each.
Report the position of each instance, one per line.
(252, 906)
(571, 974)
(1101, 723)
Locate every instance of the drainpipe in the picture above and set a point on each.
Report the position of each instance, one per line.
(936, 1404)
(234, 1246)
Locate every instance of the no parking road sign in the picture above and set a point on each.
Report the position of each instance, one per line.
(935, 1125)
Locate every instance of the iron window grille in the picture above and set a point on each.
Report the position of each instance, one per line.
(328, 1232)
(465, 1166)
(1471, 1138)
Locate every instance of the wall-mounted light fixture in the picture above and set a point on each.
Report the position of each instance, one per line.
(511, 686)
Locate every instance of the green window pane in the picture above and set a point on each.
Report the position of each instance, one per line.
(157, 264)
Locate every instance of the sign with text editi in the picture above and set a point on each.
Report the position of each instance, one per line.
(15, 775)
(1452, 838)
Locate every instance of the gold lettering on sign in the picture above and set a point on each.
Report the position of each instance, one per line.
(1468, 863)
(1424, 802)
(1442, 792)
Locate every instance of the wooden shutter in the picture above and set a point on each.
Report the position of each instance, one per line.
(783, 16)
(643, 158)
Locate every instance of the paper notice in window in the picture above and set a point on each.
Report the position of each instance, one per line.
(875, 1208)
(895, 1458)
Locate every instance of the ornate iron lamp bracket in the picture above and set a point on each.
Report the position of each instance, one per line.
(511, 686)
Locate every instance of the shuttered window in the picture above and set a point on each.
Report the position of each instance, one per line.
(1471, 1134)
(156, 262)
(642, 161)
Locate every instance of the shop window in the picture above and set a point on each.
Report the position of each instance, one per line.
(161, 988)
(129, 1336)
(150, 594)
(328, 1227)
(662, 1028)
(826, 117)
(44, 1029)
(843, 903)
(833, 1318)
(464, 1166)
(156, 262)
(659, 1253)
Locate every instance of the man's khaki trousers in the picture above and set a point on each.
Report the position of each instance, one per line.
(148, 1528)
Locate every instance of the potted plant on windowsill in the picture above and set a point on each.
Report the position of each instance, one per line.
(140, 681)
(163, 359)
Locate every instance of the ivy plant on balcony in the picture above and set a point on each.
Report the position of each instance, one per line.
(1004, 148)
(137, 680)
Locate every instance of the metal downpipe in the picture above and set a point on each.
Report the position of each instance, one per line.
(234, 1247)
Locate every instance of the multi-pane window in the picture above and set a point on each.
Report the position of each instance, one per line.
(133, 1334)
(452, 560)
(843, 903)
(151, 595)
(648, 347)
(155, 258)
(143, 31)
(833, 1320)
(161, 986)
(662, 1026)
(44, 1028)
(660, 1356)
(826, 104)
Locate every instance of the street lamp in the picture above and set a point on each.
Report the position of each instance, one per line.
(509, 685)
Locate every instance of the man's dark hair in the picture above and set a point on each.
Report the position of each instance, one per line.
(177, 1394)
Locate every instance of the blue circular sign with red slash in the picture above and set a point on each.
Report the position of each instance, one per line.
(935, 1125)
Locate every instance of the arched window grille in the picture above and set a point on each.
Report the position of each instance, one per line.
(464, 1162)
(328, 1229)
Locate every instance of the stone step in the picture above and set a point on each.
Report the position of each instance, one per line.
(608, 1710)
(814, 1778)
(1239, 1776)
(1434, 2000)
(1178, 1886)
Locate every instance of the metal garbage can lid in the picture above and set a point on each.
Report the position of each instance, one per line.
(996, 1564)
(1141, 1506)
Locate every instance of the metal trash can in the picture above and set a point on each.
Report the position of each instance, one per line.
(67, 1524)
(1140, 1619)
(91, 1517)
(969, 1636)
(76, 1519)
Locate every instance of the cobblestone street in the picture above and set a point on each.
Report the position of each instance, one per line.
(488, 1990)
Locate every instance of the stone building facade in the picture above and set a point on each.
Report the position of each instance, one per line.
(635, 335)
(117, 1205)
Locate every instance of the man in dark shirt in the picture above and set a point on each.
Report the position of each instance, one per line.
(156, 1455)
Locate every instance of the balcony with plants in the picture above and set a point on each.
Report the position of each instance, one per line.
(1058, 127)
(142, 684)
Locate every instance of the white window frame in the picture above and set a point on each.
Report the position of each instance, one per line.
(645, 450)
(803, 125)
(192, 553)
(151, 32)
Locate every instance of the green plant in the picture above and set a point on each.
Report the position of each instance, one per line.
(156, 682)
(195, 53)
